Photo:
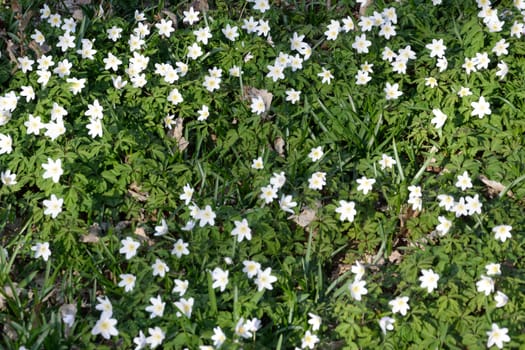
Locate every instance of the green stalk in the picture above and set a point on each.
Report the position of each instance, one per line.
(423, 168)
(513, 183)
(309, 249)
(235, 303)
(398, 161)
(211, 294)
(338, 280)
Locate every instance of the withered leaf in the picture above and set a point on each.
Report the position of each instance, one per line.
(78, 14)
(90, 238)
(364, 6)
(171, 16)
(37, 49)
(7, 292)
(26, 19)
(304, 219)
(493, 187)
(278, 146)
(74, 4)
(250, 93)
(176, 132)
(15, 6)
(141, 233)
(93, 235)
(10, 48)
(121, 225)
(135, 191)
(395, 257)
(200, 5)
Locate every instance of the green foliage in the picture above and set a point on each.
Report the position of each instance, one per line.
(131, 180)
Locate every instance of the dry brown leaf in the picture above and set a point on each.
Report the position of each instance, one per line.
(9, 331)
(25, 20)
(74, 7)
(200, 5)
(52, 294)
(15, 6)
(76, 3)
(135, 192)
(364, 6)
(121, 225)
(250, 92)
(90, 238)
(420, 243)
(176, 132)
(101, 13)
(305, 218)
(78, 15)
(141, 233)
(36, 48)
(372, 261)
(494, 188)
(93, 235)
(395, 257)
(278, 146)
(10, 48)
(172, 16)
(7, 292)
(341, 269)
